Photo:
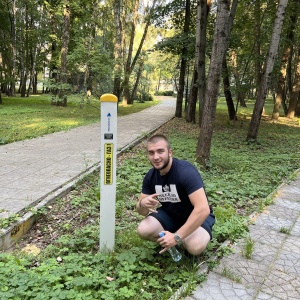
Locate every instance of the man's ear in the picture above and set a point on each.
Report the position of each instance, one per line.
(170, 152)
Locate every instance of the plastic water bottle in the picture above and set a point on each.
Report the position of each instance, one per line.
(176, 255)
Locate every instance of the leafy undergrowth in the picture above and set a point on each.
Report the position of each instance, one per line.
(59, 258)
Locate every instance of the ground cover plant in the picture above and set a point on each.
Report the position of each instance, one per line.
(25, 118)
(59, 258)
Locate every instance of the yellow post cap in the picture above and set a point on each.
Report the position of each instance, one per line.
(108, 98)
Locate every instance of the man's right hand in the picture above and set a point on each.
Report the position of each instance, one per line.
(149, 202)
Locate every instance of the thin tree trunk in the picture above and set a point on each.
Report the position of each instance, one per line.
(295, 91)
(190, 115)
(202, 12)
(129, 66)
(159, 78)
(285, 64)
(24, 42)
(138, 77)
(184, 54)
(63, 100)
(220, 44)
(268, 69)
(240, 95)
(13, 47)
(297, 111)
(257, 20)
(280, 91)
(227, 92)
(179, 100)
(117, 49)
(35, 84)
(53, 72)
(205, 8)
(128, 70)
(34, 60)
(88, 87)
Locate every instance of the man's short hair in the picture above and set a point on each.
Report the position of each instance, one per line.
(158, 137)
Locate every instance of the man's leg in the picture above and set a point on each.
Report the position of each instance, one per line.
(197, 242)
(149, 228)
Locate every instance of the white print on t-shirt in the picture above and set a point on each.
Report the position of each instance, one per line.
(167, 193)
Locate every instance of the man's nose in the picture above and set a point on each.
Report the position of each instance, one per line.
(156, 155)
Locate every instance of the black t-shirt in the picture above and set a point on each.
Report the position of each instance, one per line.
(174, 188)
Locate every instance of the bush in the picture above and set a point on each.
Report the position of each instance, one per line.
(144, 96)
(164, 93)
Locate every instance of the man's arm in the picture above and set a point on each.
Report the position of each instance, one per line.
(197, 217)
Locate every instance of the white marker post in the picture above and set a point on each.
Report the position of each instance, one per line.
(108, 171)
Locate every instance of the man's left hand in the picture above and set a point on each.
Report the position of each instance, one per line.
(167, 241)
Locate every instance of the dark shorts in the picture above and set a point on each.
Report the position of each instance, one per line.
(170, 224)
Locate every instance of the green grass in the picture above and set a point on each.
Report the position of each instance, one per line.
(25, 118)
(240, 180)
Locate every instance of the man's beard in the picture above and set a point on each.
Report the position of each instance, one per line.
(166, 162)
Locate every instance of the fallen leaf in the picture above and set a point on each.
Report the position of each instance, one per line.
(110, 278)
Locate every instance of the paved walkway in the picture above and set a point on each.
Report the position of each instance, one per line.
(34, 169)
(273, 272)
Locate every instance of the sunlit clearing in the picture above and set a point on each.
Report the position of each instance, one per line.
(69, 122)
(31, 249)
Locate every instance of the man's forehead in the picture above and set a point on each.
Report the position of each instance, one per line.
(161, 144)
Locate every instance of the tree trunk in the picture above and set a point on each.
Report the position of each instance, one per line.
(227, 92)
(13, 44)
(159, 78)
(24, 55)
(128, 69)
(179, 100)
(184, 58)
(199, 64)
(62, 95)
(267, 72)
(190, 115)
(204, 10)
(297, 112)
(117, 49)
(220, 44)
(285, 64)
(280, 91)
(295, 91)
(35, 84)
(129, 66)
(240, 95)
(138, 77)
(257, 50)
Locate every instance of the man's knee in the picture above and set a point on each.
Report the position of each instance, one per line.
(196, 249)
(149, 228)
(197, 242)
(143, 231)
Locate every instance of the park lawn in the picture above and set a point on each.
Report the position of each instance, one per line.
(25, 118)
